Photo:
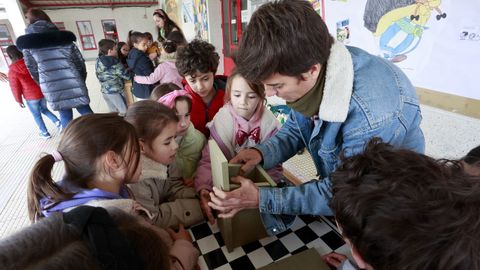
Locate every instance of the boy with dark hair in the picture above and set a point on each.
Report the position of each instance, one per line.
(401, 210)
(111, 74)
(198, 63)
(340, 97)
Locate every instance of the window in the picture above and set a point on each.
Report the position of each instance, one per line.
(110, 29)
(5, 41)
(60, 25)
(86, 35)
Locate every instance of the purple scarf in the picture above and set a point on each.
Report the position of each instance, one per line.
(82, 196)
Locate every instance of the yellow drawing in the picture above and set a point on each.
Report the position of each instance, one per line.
(409, 20)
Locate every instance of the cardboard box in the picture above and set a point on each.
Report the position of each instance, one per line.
(246, 226)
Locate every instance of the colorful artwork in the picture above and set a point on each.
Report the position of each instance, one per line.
(171, 8)
(400, 29)
(187, 8)
(200, 19)
(318, 6)
(343, 31)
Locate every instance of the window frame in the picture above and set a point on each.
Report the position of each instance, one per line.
(92, 35)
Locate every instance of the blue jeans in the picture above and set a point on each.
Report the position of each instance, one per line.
(37, 107)
(67, 115)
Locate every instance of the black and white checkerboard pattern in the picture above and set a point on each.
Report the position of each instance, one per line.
(306, 232)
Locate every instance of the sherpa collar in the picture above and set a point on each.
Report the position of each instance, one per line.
(338, 85)
(45, 39)
(152, 169)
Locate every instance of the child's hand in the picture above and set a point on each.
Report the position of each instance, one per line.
(188, 182)
(152, 56)
(334, 259)
(207, 211)
(181, 234)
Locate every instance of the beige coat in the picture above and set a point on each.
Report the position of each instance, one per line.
(169, 201)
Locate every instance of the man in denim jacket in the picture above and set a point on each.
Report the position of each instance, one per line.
(340, 96)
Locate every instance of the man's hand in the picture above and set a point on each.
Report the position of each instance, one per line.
(230, 203)
(21, 104)
(207, 211)
(334, 259)
(249, 158)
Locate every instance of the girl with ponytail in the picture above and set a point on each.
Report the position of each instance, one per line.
(101, 155)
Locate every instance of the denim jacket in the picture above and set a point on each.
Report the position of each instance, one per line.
(364, 97)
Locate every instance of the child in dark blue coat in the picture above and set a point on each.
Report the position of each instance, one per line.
(139, 63)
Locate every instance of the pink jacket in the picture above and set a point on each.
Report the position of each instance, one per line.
(165, 72)
(223, 135)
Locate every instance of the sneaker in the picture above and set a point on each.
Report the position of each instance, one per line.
(45, 135)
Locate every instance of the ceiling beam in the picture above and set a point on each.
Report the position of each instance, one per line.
(99, 4)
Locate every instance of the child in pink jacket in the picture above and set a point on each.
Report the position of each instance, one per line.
(242, 122)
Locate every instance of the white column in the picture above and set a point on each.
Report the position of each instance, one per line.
(15, 16)
(215, 29)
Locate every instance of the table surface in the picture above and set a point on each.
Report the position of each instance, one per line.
(306, 232)
(300, 168)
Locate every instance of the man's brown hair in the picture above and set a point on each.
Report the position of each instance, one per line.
(286, 37)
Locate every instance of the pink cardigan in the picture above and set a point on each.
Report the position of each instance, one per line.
(165, 72)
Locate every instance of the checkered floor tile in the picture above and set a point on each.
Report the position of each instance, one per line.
(306, 232)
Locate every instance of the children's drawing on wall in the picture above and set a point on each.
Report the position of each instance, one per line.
(400, 24)
(172, 10)
(200, 19)
(471, 33)
(318, 6)
(343, 31)
(187, 9)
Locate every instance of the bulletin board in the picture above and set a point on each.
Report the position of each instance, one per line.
(436, 43)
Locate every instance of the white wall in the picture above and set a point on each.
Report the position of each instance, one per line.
(15, 15)
(127, 18)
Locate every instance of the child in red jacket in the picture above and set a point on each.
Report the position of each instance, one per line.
(22, 84)
(198, 63)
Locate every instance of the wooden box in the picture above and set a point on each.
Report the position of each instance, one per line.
(246, 226)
